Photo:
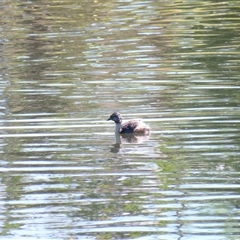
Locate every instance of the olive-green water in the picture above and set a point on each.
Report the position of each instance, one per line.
(66, 66)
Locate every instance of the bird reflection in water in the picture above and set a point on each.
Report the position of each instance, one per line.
(121, 139)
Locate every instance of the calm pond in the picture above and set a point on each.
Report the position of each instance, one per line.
(66, 66)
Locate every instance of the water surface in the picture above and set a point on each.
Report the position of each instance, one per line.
(66, 66)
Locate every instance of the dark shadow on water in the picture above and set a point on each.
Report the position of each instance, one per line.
(122, 139)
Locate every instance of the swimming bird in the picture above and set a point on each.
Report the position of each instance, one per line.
(129, 126)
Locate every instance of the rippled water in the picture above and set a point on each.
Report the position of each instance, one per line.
(66, 66)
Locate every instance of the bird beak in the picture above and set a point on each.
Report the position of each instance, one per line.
(108, 119)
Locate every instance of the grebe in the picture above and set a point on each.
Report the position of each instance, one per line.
(129, 126)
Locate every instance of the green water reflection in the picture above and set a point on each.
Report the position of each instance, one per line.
(66, 66)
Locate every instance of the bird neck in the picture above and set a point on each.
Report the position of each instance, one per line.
(118, 127)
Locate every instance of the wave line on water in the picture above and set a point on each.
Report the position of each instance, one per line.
(48, 126)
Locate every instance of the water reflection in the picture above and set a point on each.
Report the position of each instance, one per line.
(121, 139)
(65, 65)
